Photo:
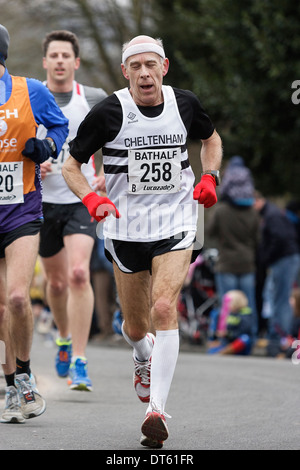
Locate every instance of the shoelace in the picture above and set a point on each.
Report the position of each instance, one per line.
(12, 399)
(157, 409)
(27, 391)
(81, 368)
(25, 386)
(143, 370)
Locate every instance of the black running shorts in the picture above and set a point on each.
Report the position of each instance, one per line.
(31, 228)
(61, 220)
(132, 257)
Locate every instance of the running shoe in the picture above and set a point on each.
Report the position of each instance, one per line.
(63, 357)
(78, 376)
(12, 410)
(117, 322)
(32, 403)
(154, 430)
(141, 375)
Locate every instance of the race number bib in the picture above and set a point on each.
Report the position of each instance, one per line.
(11, 183)
(154, 171)
(57, 163)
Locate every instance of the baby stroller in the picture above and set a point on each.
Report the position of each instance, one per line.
(197, 298)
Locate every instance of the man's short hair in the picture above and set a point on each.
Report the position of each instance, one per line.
(61, 35)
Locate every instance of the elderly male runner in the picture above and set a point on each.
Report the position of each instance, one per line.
(143, 133)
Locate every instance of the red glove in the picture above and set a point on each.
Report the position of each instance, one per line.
(205, 191)
(100, 207)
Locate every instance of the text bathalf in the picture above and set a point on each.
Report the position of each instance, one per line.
(155, 155)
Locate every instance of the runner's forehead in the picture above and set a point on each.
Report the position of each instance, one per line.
(143, 57)
(59, 47)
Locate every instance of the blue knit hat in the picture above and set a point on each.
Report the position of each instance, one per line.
(237, 183)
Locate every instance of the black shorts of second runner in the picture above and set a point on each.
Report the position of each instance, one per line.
(28, 229)
(61, 220)
(132, 257)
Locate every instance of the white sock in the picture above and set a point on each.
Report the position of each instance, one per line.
(142, 348)
(163, 363)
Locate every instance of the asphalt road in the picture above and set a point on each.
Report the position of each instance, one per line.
(216, 403)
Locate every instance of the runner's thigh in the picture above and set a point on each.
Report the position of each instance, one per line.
(79, 249)
(169, 271)
(21, 256)
(134, 295)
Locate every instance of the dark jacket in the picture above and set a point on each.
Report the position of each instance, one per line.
(236, 233)
(279, 235)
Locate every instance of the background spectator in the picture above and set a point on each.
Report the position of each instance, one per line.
(234, 327)
(235, 226)
(279, 254)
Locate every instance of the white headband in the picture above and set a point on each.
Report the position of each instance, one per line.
(141, 48)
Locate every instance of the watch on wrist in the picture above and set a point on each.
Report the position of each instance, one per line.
(52, 145)
(215, 174)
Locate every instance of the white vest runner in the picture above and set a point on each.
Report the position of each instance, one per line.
(148, 176)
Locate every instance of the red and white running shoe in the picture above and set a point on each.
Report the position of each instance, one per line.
(141, 375)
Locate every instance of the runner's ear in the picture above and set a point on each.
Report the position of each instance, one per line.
(124, 71)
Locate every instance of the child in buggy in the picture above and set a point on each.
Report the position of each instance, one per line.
(197, 298)
(233, 326)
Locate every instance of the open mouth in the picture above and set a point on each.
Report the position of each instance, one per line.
(146, 87)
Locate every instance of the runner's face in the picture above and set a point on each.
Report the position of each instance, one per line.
(145, 73)
(60, 62)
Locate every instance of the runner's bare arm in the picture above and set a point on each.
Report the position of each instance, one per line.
(74, 178)
(77, 182)
(211, 152)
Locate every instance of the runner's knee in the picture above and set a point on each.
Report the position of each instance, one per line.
(163, 313)
(135, 331)
(18, 302)
(79, 277)
(57, 286)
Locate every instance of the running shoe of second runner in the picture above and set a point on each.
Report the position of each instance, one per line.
(63, 356)
(78, 376)
(32, 403)
(154, 429)
(12, 409)
(141, 375)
